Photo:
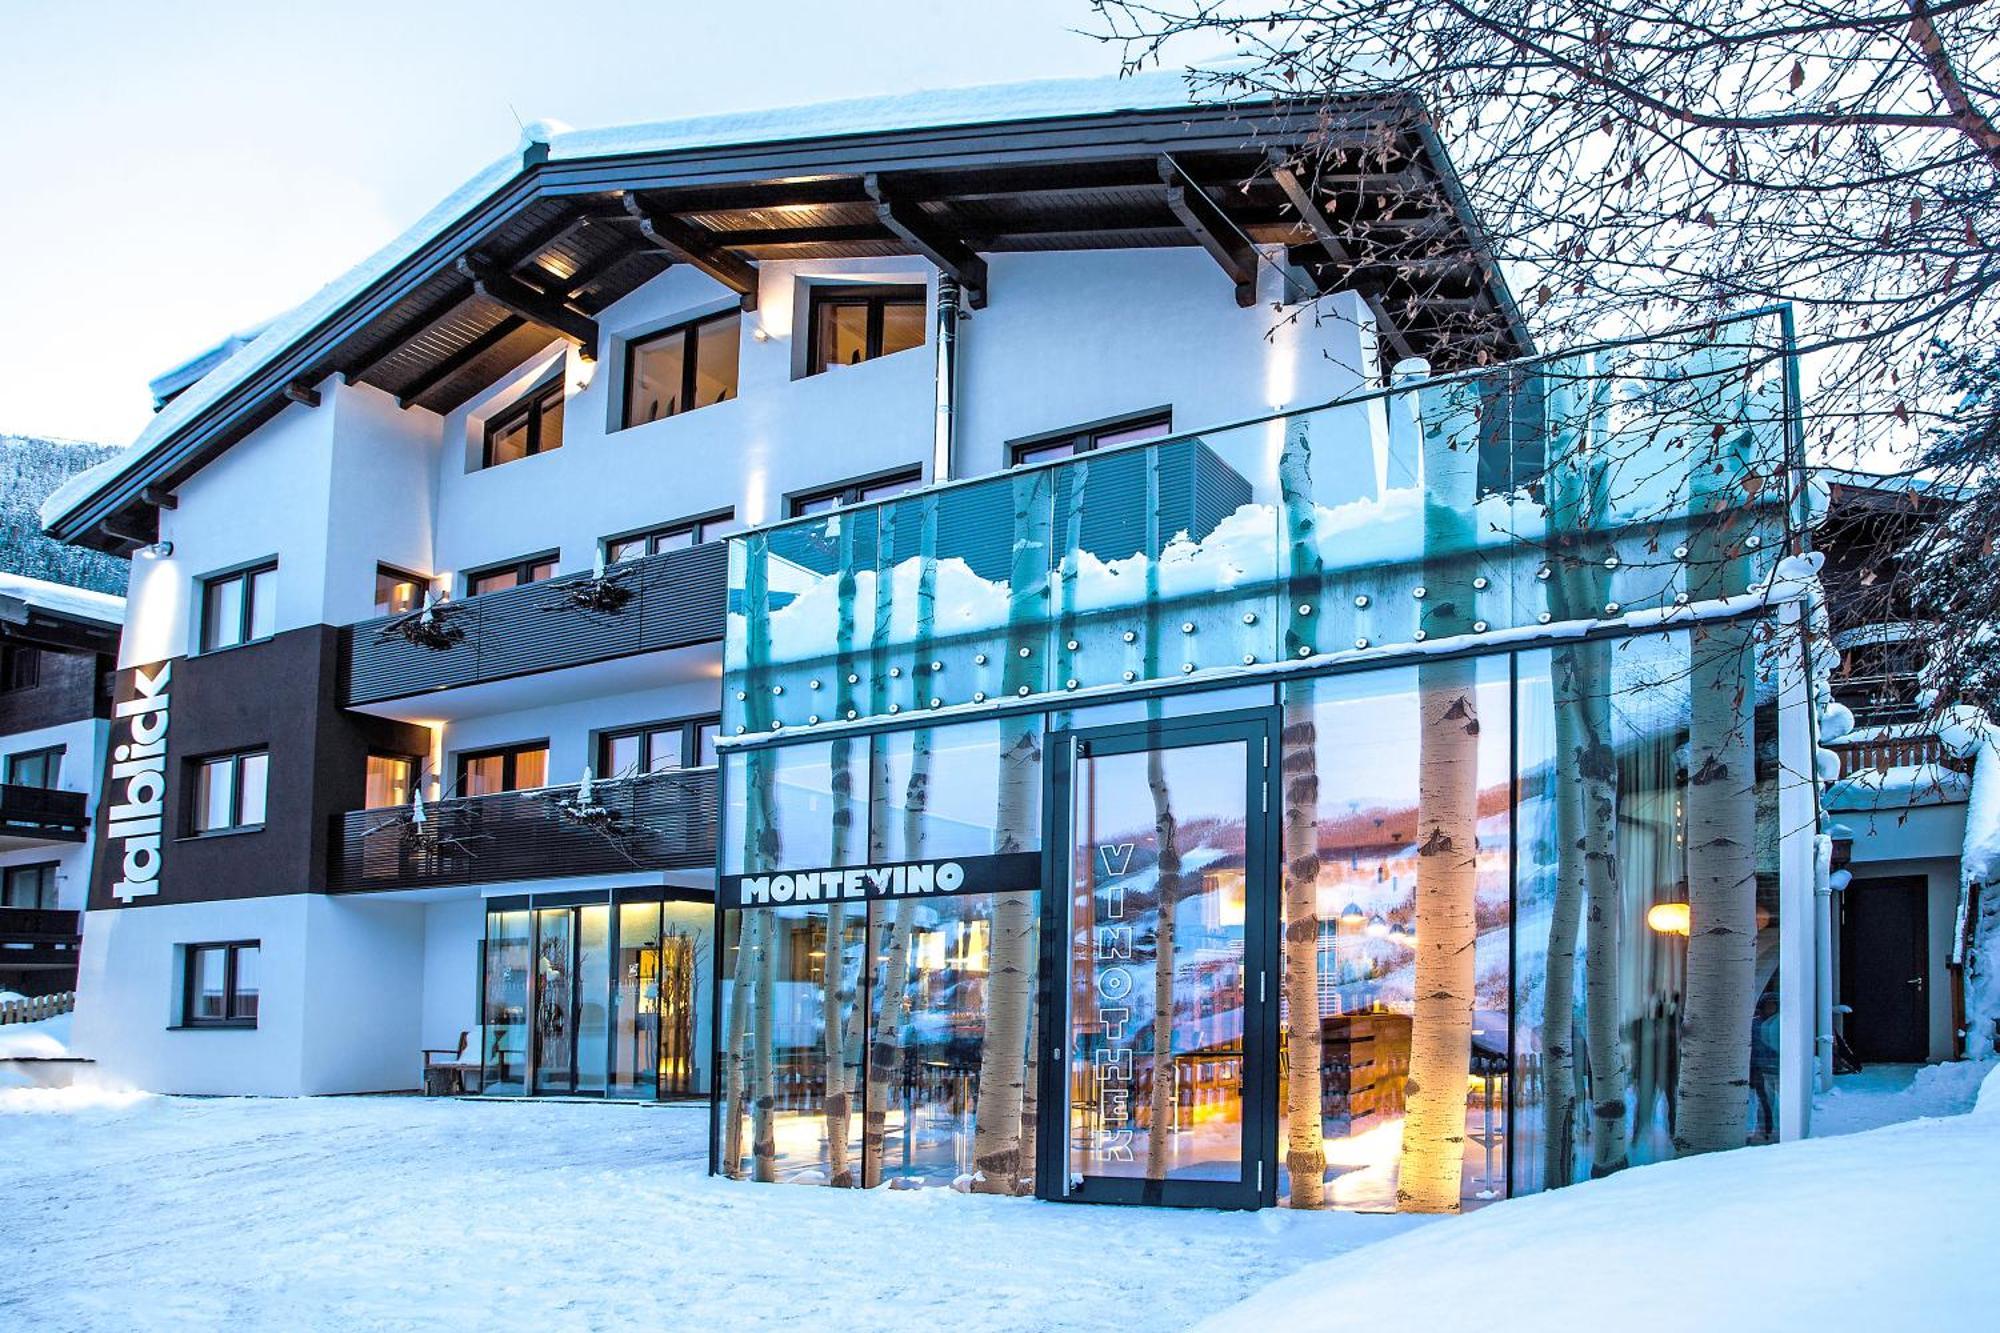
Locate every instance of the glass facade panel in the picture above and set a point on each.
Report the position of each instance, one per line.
(687, 957)
(215, 794)
(593, 996)
(636, 1001)
(389, 780)
(251, 771)
(211, 985)
(554, 1031)
(222, 614)
(510, 965)
(243, 1000)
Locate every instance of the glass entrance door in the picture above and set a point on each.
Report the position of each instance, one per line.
(1166, 1079)
(555, 1001)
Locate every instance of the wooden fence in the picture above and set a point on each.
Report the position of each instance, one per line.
(34, 1008)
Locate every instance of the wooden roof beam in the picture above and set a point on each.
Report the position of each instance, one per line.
(691, 245)
(1211, 227)
(512, 294)
(301, 392)
(1315, 220)
(953, 257)
(437, 374)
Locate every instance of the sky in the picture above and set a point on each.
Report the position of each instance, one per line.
(178, 172)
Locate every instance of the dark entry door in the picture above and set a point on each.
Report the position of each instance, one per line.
(1884, 959)
(1160, 1084)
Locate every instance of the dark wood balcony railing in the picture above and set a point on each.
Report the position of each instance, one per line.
(42, 814)
(675, 599)
(662, 821)
(1881, 753)
(38, 938)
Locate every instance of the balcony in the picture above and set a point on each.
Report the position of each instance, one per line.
(37, 939)
(31, 816)
(671, 600)
(660, 821)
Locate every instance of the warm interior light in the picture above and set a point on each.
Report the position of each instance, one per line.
(1668, 918)
(1377, 927)
(1352, 915)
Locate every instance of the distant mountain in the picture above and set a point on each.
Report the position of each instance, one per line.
(30, 468)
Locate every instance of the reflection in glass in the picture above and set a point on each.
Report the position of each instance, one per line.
(504, 1005)
(593, 994)
(635, 1001)
(555, 1001)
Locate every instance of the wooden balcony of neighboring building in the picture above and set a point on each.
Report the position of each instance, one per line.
(34, 939)
(651, 822)
(33, 816)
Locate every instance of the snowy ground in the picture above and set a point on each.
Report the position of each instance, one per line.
(1871, 1229)
(120, 1210)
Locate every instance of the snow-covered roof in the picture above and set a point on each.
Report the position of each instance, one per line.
(1898, 482)
(60, 599)
(996, 104)
(167, 383)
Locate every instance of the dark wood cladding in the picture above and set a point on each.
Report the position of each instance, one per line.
(39, 938)
(67, 689)
(678, 599)
(280, 695)
(39, 812)
(661, 821)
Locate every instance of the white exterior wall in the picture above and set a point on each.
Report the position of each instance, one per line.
(568, 727)
(82, 770)
(452, 932)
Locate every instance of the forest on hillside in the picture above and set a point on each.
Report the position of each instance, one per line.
(30, 468)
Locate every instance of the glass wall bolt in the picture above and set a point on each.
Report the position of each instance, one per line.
(1611, 608)
(1419, 591)
(1680, 553)
(1131, 675)
(851, 715)
(1480, 583)
(979, 659)
(1542, 573)
(777, 689)
(936, 702)
(1611, 562)
(895, 708)
(1027, 652)
(1187, 668)
(1070, 684)
(812, 719)
(1478, 627)
(740, 728)
(741, 696)
(1305, 650)
(1361, 643)
(1249, 617)
(894, 672)
(1023, 691)
(1249, 659)
(937, 666)
(1545, 617)
(1680, 599)
(979, 696)
(1187, 627)
(1753, 541)
(813, 683)
(1130, 637)
(777, 726)
(853, 679)
(1419, 636)
(1361, 599)
(1072, 645)
(1305, 608)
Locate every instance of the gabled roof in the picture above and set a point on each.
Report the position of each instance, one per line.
(533, 246)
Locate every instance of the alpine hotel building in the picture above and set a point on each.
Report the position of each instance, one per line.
(1042, 640)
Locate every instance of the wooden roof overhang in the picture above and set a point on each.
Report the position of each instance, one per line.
(1362, 200)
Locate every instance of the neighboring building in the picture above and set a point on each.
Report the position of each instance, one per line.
(1900, 807)
(480, 726)
(58, 646)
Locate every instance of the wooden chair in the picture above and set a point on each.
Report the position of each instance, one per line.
(446, 1077)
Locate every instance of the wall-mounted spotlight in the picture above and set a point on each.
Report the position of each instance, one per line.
(155, 551)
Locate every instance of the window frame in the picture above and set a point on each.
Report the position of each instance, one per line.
(689, 728)
(190, 1016)
(511, 752)
(415, 780)
(690, 364)
(1088, 436)
(246, 607)
(400, 575)
(20, 667)
(235, 759)
(52, 753)
(651, 536)
(529, 407)
(848, 493)
(46, 872)
(521, 568)
(877, 297)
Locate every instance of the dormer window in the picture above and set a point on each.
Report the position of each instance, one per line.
(682, 368)
(532, 426)
(855, 324)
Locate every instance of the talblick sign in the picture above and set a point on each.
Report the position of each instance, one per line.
(135, 819)
(955, 877)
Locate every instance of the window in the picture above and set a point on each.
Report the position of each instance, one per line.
(239, 608)
(220, 987)
(1096, 435)
(398, 590)
(674, 537)
(20, 667)
(513, 574)
(29, 886)
(35, 768)
(508, 768)
(229, 792)
(391, 778)
(855, 324)
(659, 748)
(856, 492)
(532, 426)
(689, 366)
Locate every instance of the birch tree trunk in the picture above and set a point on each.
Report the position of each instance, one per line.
(1447, 817)
(1713, 1099)
(837, 992)
(763, 1055)
(1298, 749)
(1166, 837)
(1003, 1056)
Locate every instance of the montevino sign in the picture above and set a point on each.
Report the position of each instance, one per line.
(1006, 872)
